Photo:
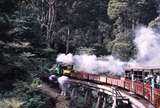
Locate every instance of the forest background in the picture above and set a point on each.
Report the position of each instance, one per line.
(33, 32)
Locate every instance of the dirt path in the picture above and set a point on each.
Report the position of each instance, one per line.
(60, 101)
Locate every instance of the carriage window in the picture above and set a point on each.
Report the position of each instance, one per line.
(138, 75)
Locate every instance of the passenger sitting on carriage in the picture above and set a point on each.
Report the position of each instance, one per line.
(153, 80)
(148, 78)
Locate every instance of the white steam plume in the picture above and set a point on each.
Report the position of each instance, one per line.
(67, 59)
(147, 42)
(92, 64)
(148, 45)
(85, 63)
(111, 64)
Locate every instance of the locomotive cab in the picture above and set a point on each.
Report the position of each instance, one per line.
(67, 70)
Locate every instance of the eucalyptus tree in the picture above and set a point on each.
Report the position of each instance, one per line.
(46, 15)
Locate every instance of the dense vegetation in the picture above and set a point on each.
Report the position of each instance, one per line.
(32, 32)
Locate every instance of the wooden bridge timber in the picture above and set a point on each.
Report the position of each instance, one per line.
(119, 96)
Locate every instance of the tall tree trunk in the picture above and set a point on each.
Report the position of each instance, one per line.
(51, 22)
(47, 17)
(67, 41)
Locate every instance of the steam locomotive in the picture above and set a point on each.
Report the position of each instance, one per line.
(132, 81)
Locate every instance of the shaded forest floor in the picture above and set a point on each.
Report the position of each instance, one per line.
(60, 102)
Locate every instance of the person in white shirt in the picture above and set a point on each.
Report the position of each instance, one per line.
(63, 83)
(158, 81)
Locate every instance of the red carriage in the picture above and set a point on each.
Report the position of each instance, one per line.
(133, 81)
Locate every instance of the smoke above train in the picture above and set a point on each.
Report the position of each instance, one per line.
(147, 42)
(148, 45)
(92, 64)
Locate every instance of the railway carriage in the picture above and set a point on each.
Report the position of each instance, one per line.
(121, 82)
(94, 77)
(157, 97)
(85, 76)
(147, 92)
(128, 85)
(133, 81)
(138, 88)
(103, 79)
(109, 80)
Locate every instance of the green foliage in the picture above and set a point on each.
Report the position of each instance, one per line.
(23, 53)
(10, 103)
(84, 50)
(124, 37)
(83, 33)
(100, 50)
(36, 82)
(126, 14)
(37, 101)
(133, 9)
(7, 6)
(142, 11)
(155, 23)
(117, 7)
(26, 95)
(34, 103)
(122, 51)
